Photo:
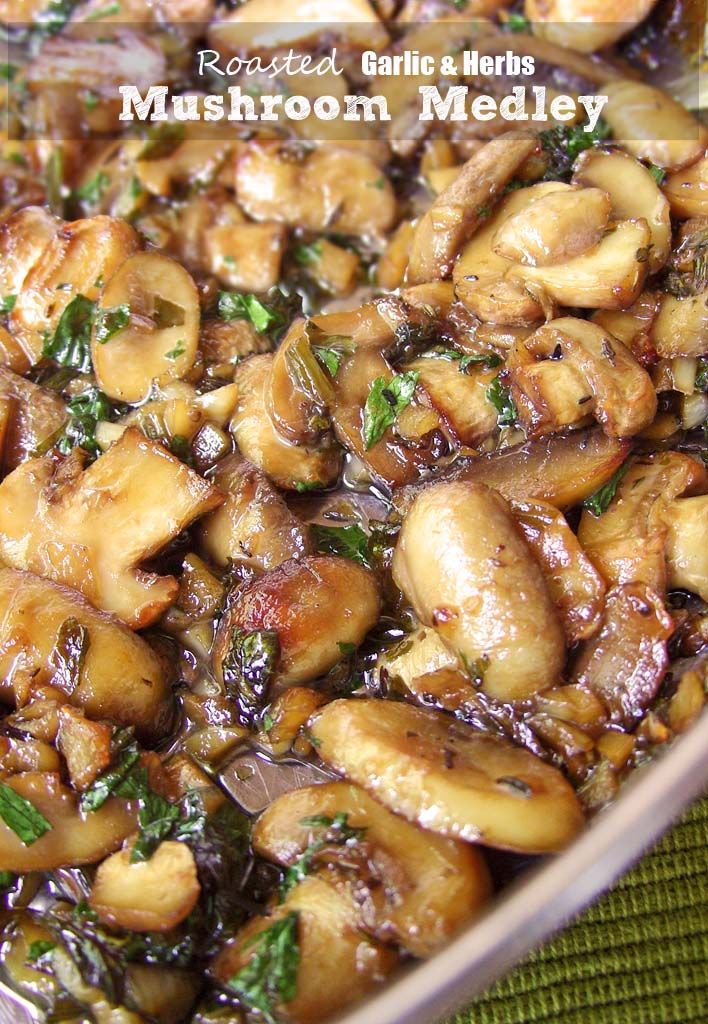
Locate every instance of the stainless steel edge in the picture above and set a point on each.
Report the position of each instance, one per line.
(542, 901)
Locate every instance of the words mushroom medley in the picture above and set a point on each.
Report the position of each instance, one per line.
(379, 460)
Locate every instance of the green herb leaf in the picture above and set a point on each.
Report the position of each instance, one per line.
(701, 378)
(71, 344)
(86, 411)
(303, 486)
(92, 191)
(500, 397)
(116, 780)
(488, 360)
(304, 254)
(69, 653)
(385, 401)
(7, 880)
(657, 173)
(90, 100)
(564, 143)
(111, 320)
(8, 71)
(599, 501)
(39, 949)
(103, 12)
(7, 304)
(346, 648)
(56, 14)
(156, 819)
(177, 351)
(270, 976)
(21, 816)
(247, 667)
(516, 22)
(347, 541)
(329, 357)
(236, 306)
(336, 831)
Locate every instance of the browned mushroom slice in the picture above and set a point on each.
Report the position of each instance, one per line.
(625, 662)
(23, 238)
(681, 326)
(312, 609)
(72, 838)
(76, 261)
(462, 562)
(430, 768)
(628, 541)
(687, 190)
(686, 550)
(36, 418)
(555, 227)
(300, 389)
(140, 497)
(149, 895)
(463, 206)
(619, 392)
(576, 587)
(652, 126)
(254, 523)
(412, 887)
(288, 465)
(146, 327)
(85, 746)
(53, 636)
(633, 193)
(460, 398)
(328, 189)
(575, 25)
(561, 469)
(334, 963)
(398, 452)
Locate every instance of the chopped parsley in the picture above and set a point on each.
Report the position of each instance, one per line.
(701, 378)
(564, 143)
(177, 351)
(304, 253)
(111, 320)
(335, 831)
(303, 486)
(347, 541)
(86, 411)
(39, 950)
(516, 22)
(21, 816)
(657, 173)
(8, 71)
(599, 501)
(385, 401)
(71, 343)
(236, 306)
(248, 666)
(270, 976)
(7, 304)
(500, 397)
(92, 191)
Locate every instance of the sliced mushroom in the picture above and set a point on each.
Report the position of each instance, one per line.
(411, 887)
(681, 326)
(576, 587)
(336, 963)
(73, 838)
(53, 634)
(619, 393)
(150, 895)
(77, 260)
(430, 768)
(328, 189)
(85, 746)
(254, 523)
(44, 526)
(627, 542)
(316, 606)
(462, 562)
(633, 193)
(608, 276)
(36, 417)
(460, 398)
(652, 126)
(23, 238)
(463, 205)
(300, 389)
(260, 442)
(555, 227)
(146, 327)
(686, 550)
(394, 458)
(687, 190)
(562, 470)
(626, 661)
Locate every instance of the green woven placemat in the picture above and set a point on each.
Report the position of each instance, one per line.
(638, 956)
